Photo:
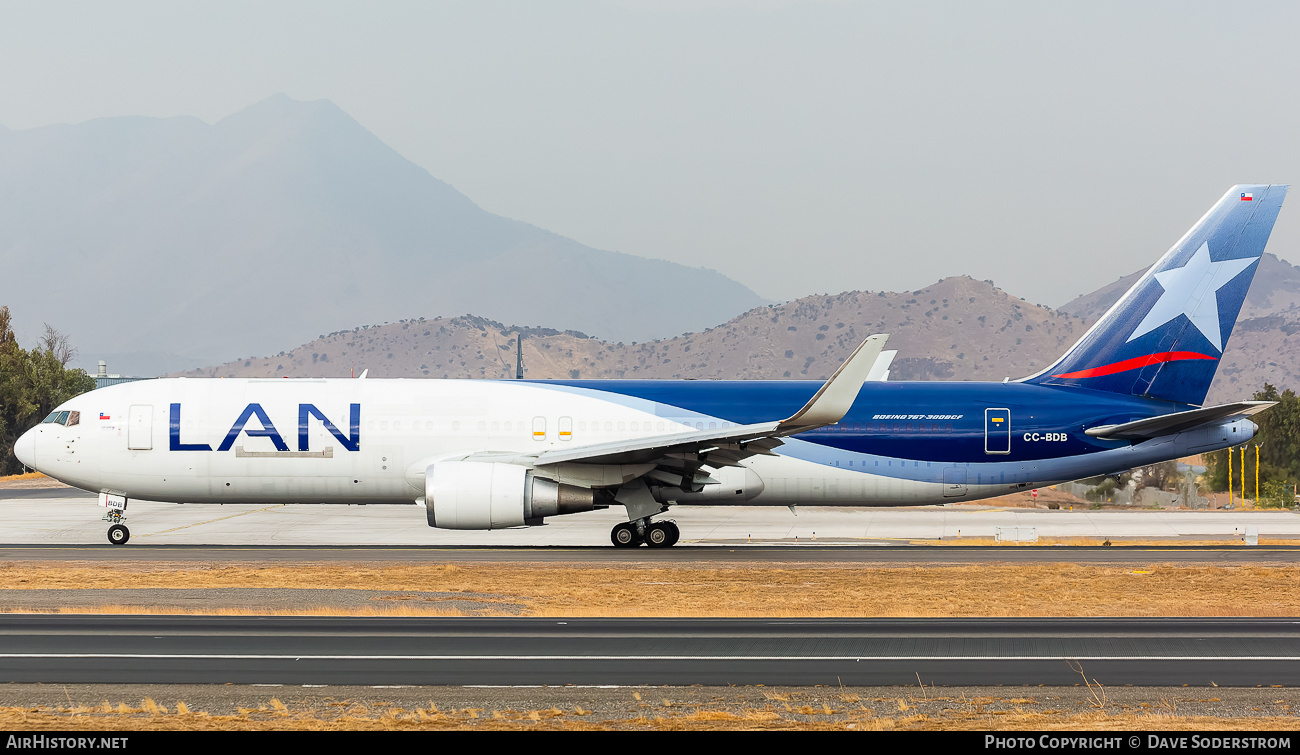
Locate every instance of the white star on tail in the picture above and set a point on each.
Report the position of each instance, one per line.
(1191, 290)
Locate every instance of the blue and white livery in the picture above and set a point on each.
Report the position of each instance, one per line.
(486, 454)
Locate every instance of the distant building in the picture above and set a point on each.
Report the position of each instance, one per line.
(102, 378)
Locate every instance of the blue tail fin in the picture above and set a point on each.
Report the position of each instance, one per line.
(1163, 339)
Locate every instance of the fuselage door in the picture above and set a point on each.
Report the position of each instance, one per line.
(997, 431)
(954, 482)
(139, 428)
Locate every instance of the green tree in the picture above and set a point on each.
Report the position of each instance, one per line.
(32, 383)
(1279, 447)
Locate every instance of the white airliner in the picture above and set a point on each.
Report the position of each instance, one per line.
(488, 454)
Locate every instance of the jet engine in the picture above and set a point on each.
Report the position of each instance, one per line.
(477, 495)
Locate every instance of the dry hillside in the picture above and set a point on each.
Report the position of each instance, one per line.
(957, 328)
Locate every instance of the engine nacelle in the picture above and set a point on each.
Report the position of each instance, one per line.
(477, 495)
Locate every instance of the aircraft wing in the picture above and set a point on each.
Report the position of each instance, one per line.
(687, 452)
(1168, 424)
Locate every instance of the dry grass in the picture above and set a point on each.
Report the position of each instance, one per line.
(731, 590)
(26, 476)
(275, 716)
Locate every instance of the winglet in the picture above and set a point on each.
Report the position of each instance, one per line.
(833, 399)
(880, 370)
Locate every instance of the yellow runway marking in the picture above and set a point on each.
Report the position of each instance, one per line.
(210, 521)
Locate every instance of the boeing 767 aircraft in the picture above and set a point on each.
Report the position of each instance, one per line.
(489, 454)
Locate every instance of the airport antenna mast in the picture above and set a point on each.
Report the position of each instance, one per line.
(519, 357)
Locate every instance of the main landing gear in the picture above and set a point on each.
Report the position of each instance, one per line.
(662, 534)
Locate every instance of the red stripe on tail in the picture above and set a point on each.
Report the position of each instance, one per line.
(1135, 363)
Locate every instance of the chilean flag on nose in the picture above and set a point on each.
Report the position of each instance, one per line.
(1246, 197)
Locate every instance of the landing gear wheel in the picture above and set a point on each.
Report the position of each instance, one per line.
(674, 532)
(118, 534)
(660, 535)
(625, 535)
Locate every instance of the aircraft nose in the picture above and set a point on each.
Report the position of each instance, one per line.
(25, 449)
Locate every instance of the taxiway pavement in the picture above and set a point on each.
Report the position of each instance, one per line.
(522, 651)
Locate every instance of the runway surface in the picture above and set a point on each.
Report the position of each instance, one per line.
(37, 517)
(699, 554)
(525, 651)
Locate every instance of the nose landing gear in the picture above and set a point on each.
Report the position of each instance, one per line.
(118, 534)
(662, 534)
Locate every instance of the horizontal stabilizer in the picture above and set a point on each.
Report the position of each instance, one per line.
(1168, 424)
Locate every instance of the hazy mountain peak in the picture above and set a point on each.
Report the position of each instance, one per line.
(280, 110)
(283, 220)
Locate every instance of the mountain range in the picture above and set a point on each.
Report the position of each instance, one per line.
(956, 329)
(161, 243)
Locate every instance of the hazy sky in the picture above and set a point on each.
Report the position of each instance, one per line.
(798, 147)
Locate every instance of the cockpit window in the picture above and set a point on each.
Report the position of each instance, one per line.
(62, 418)
(74, 418)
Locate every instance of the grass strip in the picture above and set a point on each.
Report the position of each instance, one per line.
(731, 590)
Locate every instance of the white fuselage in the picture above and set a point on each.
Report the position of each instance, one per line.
(371, 441)
(126, 442)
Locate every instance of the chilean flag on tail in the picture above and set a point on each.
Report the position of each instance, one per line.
(1164, 338)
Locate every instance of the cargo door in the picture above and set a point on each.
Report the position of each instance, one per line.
(997, 431)
(139, 428)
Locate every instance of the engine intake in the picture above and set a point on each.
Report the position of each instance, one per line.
(476, 495)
